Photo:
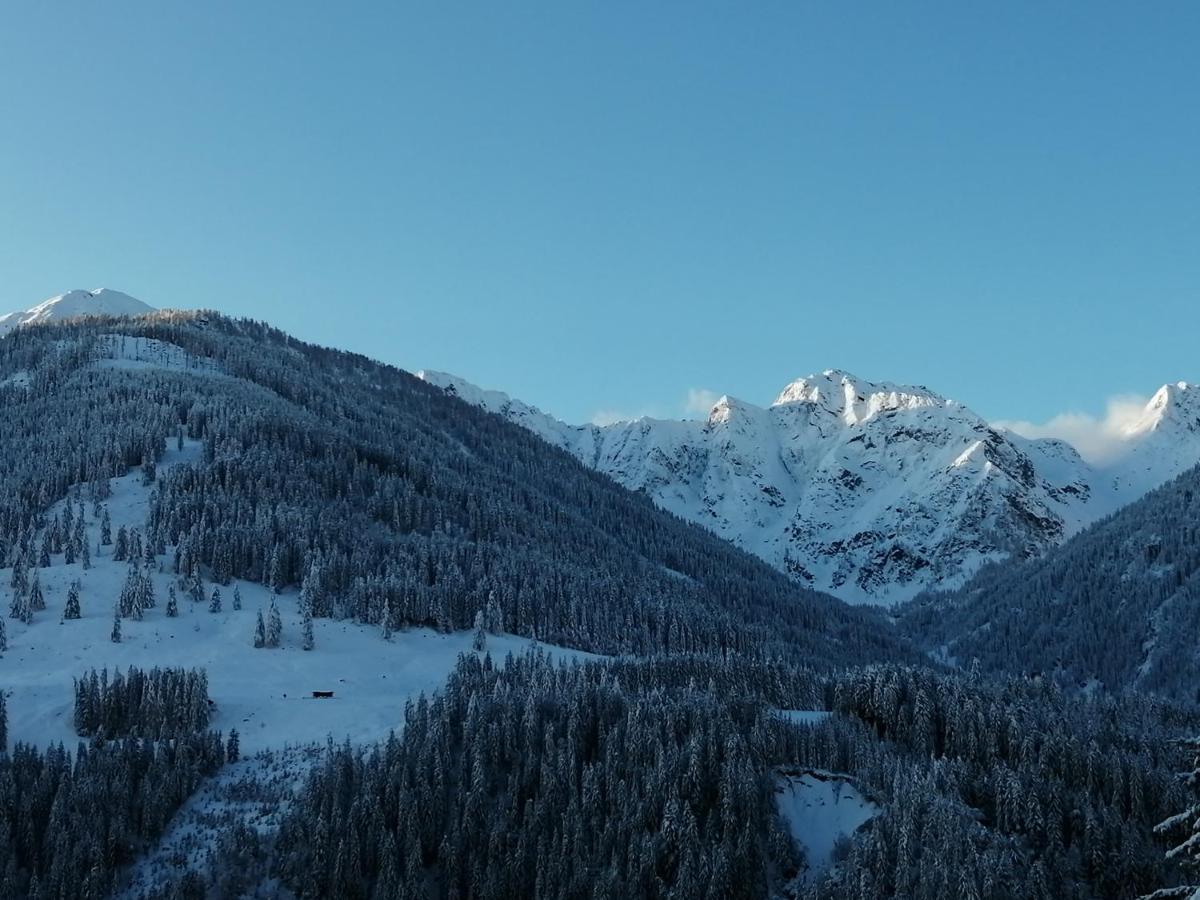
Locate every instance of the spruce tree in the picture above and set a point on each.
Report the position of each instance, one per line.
(274, 626)
(3, 642)
(121, 550)
(232, 747)
(172, 603)
(37, 601)
(237, 597)
(115, 636)
(214, 605)
(260, 632)
(72, 610)
(479, 642)
(309, 640)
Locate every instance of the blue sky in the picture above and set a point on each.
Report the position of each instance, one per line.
(601, 207)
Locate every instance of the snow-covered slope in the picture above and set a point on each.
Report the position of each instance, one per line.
(260, 692)
(100, 302)
(871, 491)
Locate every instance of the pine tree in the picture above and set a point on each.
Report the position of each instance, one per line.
(20, 577)
(260, 632)
(196, 586)
(309, 640)
(121, 550)
(72, 610)
(37, 601)
(214, 605)
(116, 629)
(479, 642)
(85, 555)
(232, 747)
(274, 626)
(105, 528)
(3, 643)
(237, 597)
(276, 575)
(172, 603)
(130, 601)
(1184, 827)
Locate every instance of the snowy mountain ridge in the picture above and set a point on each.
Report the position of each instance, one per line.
(73, 304)
(870, 491)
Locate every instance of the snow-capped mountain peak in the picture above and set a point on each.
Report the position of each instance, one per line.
(872, 491)
(853, 399)
(1173, 405)
(73, 304)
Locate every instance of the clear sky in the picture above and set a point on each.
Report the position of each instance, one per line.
(600, 207)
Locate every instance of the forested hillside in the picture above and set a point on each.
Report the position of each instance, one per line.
(383, 497)
(1118, 605)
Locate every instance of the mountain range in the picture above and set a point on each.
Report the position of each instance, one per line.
(873, 492)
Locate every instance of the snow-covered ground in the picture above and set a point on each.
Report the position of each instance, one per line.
(122, 351)
(264, 693)
(820, 808)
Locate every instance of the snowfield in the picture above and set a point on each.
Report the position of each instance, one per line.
(820, 808)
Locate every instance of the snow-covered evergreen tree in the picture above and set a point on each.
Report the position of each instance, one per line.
(479, 641)
(308, 639)
(274, 633)
(72, 610)
(37, 600)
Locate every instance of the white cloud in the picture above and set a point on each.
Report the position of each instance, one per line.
(1098, 440)
(699, 401)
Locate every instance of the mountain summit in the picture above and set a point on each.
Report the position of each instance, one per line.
(73, 304)
(870, 491)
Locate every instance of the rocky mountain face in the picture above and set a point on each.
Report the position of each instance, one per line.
(871, 491)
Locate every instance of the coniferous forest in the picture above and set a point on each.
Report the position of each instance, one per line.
(672, 691)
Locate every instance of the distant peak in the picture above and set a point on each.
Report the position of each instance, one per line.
(73, 304)
(1172, 404)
